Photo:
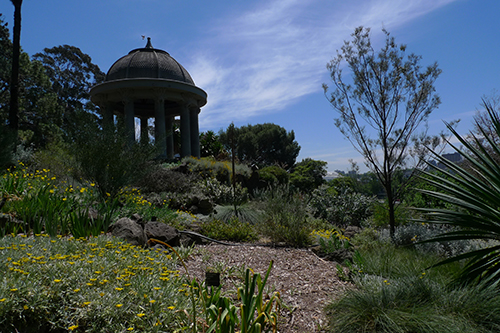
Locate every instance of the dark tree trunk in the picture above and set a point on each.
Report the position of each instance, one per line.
(14, 86)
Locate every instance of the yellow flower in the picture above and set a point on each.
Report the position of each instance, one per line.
(57, 280)
(171, 307)
(76, 290)
(119, 305)
(86, 303)
(130, 329)
(140, 315)
(3, 300)
(71, 328)
(26, 307)
(152, 301)
(119, 289)
(13, 289)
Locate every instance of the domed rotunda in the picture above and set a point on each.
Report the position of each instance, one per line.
(149, 83)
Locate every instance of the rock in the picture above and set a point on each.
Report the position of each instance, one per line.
(129, 230)
(351, 231)
(162, 232)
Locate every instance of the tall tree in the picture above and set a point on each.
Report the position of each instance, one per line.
(14, 85)
(392, 95)
(72, 74)
(39, 117)
(263, 145)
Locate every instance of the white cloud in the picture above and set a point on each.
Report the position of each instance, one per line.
(273, 54)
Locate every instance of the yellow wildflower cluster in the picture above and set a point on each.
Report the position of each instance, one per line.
(328, 233)
(100, 272)
(134, 196)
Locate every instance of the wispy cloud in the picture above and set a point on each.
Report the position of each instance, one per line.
(269, 56)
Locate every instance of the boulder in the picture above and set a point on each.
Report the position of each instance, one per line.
(351, 231)
(129, 230)
(162, 232)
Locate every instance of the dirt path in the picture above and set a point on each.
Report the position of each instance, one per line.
(305, 282)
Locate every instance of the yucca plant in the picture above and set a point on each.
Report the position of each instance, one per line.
(475, 193)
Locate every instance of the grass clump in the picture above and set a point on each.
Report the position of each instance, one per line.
(285, 218)
(232, 230)
(96, 285)
(396, 292)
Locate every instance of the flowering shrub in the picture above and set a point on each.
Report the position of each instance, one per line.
(92, 285)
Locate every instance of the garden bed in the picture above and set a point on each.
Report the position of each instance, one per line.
(306, 283)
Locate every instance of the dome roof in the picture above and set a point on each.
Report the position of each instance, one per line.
(148, 62)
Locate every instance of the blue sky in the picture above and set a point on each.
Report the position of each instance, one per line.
(264, 61)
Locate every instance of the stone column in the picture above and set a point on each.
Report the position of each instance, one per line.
(144, 130)
(129, 120)
(185, 132)
(169, 124)
(160, 135)
(195, 132)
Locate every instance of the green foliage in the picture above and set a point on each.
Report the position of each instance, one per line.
(210, 146)
(39, 115)
(263, 145)
(6, 147)
(412, 304)
(232, 230)
(221, 193)
(160, 179)
(332, 244)
(285, 218)
(96, 285)
(476, 196)
(220, 312)
(308, 175)
(380, 218)
(340, 206)
(256, 314)
(246, 213)
(395, 292)
(107, 159)
(273, 175)
(209, 168)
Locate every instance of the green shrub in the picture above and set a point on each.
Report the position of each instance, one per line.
(341, 208)
(273, 175)
(380, 216)
(285, 218)
(222, 193)
(97, 285)
(107, 159)
(209, 168)
(161, 179)
(233, 230)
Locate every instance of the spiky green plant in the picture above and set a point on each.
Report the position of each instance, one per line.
(475, 192)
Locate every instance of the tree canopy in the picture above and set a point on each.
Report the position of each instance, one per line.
(386, 107)
(38, 115)
(308, 174)
(72, 74)
(263, 145)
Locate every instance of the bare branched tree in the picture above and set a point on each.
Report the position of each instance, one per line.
(384, 111)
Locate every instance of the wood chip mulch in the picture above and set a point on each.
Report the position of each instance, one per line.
(305, 282)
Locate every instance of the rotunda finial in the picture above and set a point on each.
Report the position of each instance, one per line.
(149, 45)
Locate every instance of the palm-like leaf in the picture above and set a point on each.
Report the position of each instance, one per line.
(476, 195)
